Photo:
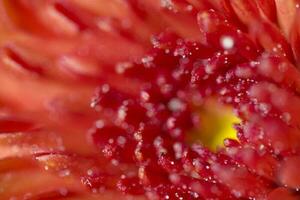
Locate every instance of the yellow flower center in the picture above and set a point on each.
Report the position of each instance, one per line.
(216, 124)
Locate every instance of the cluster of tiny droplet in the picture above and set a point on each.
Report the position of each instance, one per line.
(147, 127)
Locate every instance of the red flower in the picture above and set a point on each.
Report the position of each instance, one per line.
(137, 139)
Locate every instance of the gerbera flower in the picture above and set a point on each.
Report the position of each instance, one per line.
(133, 99)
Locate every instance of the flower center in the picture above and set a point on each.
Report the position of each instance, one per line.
(216, 124)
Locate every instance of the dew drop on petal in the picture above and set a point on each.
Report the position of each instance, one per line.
(227, 42)
(176, 104)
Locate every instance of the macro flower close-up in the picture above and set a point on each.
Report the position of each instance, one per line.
(149, 99)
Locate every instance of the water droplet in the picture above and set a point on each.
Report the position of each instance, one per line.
(176, 104)
(264, 108)
(171, 122)
(286, 117)
(178, 150)
(115, 162)
(121, 140)
(99, 124)
(174, 178)
(122, 67)
(122, 112)
(145, 96)
(167, 4)
(63, 191)
(105, 88)
(147, 61)
(227, 42)
(105, 25)
(64, 173)
(90, 172)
